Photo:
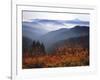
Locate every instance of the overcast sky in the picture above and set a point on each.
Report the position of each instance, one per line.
(28, 15)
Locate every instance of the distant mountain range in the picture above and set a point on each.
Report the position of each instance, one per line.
(74, 21)
(37, 30)
(63, 34)
(32, 32)
(50, 25)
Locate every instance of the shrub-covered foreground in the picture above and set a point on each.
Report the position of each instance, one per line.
(63, 57)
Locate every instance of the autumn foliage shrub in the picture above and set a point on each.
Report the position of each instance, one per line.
(63, 57)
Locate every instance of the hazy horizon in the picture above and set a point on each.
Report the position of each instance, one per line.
(53, 21)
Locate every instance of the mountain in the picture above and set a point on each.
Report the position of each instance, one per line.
(52, 37)
(49, 32)
(73, 21)
(51, 25)
(35, 28)
(29, 31)
(79, 42)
